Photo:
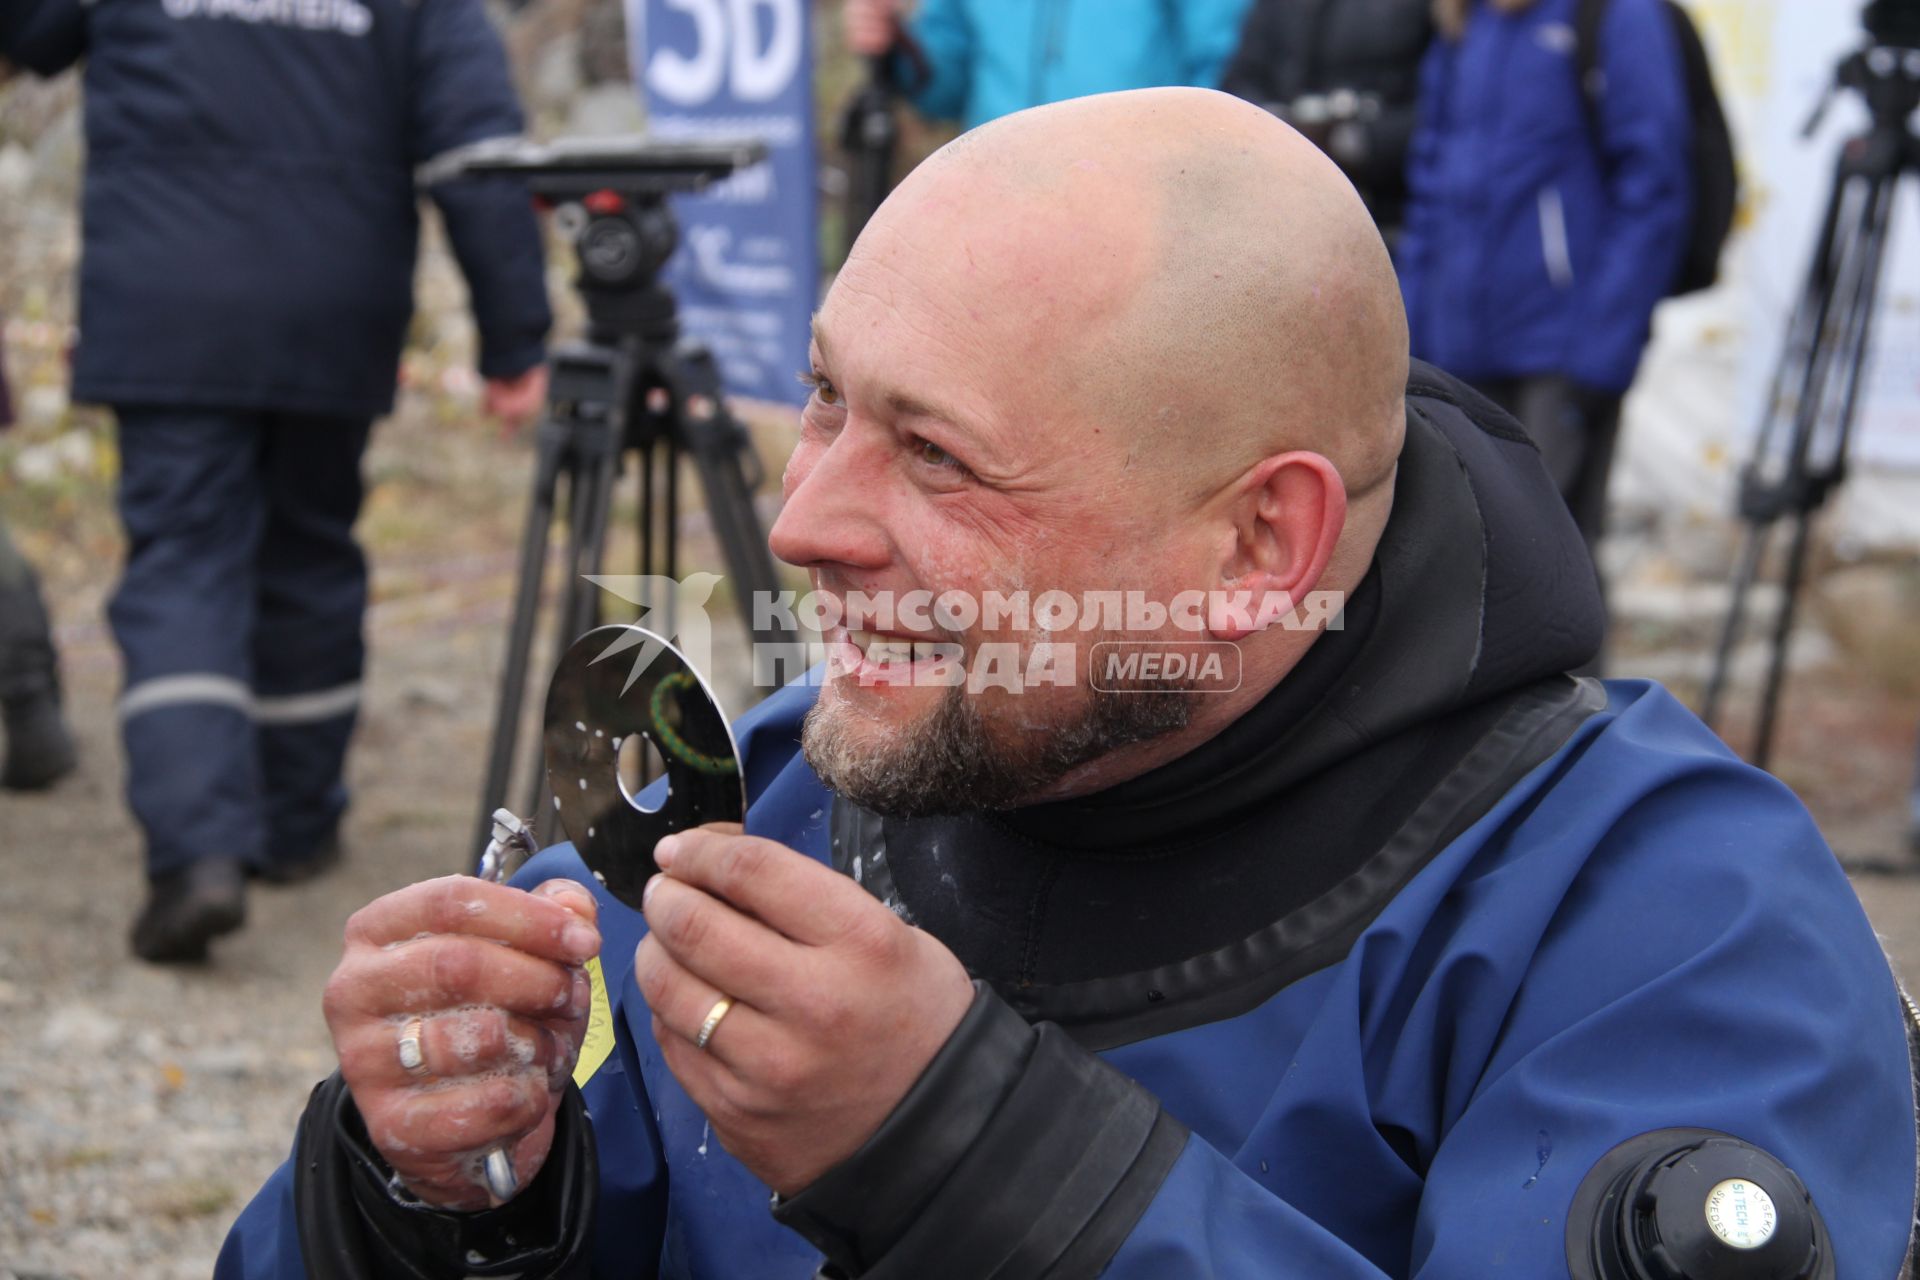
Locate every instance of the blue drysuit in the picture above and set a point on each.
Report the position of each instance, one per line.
(1499, 940)
(986, 58)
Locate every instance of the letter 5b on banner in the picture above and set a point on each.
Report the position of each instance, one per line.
(747, 271)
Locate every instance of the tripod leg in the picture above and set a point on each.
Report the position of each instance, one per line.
(584, 399)
(550, 455)
(1751, 552)
(720, 447)
(670, 533)
(1858, 288)
(648, 515)
(1782, 632)
(590, 494)
(1803, 366)
(590, 537)
(1759, 500)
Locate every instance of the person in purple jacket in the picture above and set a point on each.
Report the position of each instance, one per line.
(1546, 219)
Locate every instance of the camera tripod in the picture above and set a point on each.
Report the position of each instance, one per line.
(633, 389)
(1800, 453)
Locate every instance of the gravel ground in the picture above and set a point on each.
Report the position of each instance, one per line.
(141, 1107)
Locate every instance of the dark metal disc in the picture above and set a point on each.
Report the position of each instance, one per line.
(612, 684)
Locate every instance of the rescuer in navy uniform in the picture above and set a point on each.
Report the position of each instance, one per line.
(250, 223)
(1404, 954)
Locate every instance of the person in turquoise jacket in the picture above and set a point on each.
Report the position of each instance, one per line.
(975, 60)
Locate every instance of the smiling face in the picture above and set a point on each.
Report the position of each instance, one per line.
(1045, 367)
(947, 447)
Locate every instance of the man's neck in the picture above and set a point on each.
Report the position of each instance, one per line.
(1215, 712)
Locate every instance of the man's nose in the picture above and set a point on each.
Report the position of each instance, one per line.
(834, 504)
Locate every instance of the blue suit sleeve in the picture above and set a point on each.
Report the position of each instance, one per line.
(1209, 33)
(631, 1213)
(44, 36)
(1705, 966)
(264, 1243)
(944, 35)
(463, 94)
(1643, 127)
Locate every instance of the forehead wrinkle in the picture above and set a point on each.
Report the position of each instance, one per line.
(918, 329)
(1005, 290)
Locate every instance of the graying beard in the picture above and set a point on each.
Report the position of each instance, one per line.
(949, 763)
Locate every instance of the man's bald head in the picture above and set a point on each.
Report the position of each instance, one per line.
(1202, 275)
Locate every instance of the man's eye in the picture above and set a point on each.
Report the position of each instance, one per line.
(822, 387)
(933, 455)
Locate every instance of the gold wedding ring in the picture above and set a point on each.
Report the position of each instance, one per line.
(413, 1053)
(714, 1015)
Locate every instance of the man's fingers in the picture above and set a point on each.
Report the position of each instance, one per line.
(425, 1125)
(790, 892)
(572, 895)
(734, 952)
(450, 1045)
(683, 1001)
(538, 924)
(447, 971)
(458, 1180)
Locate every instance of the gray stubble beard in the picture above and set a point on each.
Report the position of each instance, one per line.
(948, 762)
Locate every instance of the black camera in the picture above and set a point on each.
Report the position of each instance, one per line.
(567, 169)
(1893, 22)
(608, 197)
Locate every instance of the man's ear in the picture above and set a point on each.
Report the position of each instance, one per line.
(1288, 513)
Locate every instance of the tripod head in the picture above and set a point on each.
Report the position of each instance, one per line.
(608, 196)
(1885, 72)
(1893, 22)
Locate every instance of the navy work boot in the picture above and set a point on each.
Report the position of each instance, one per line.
(39, 748)
(188, 907)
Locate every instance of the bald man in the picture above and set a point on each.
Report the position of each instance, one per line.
(1394, 951)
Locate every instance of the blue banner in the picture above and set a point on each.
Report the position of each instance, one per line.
(747, 271)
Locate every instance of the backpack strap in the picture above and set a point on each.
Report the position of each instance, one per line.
(1588, 17)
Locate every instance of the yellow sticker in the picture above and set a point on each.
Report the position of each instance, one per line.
(598, 1042)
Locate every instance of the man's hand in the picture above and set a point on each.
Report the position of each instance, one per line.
(872, 26)
(488, 980)
(837, 1004)
(516, 401)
